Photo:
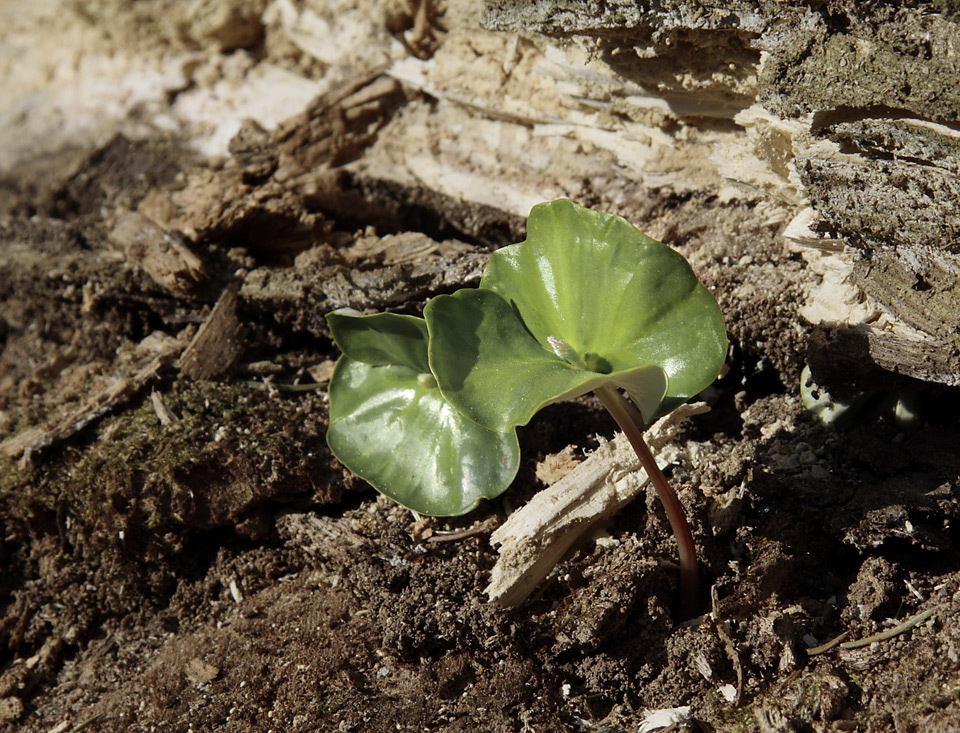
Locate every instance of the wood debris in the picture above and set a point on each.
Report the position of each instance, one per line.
(878, 357)
(417, 24)
(218, 342)
(200, 672)
(403, 248)
(302, 295)
(27, 443)
(322, 372)
(322, 537)
(534, 539)
(665, 719)
(339, 125)
(164, 255)
(557, 465)
(167, 417)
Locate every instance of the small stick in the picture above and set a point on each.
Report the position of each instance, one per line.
(280, 387)
(451, 535)
(890, 633)
(96, 718)
(461, 534)
(835, 641)
(729, 646)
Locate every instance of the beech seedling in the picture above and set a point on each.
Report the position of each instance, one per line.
(586, 303)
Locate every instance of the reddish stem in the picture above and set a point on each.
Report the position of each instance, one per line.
(621, 411)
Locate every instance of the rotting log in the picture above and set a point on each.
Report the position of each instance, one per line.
(865, 101)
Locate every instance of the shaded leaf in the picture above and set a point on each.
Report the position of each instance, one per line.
(381, 338)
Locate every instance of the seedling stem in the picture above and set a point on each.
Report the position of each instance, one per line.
(622, 412)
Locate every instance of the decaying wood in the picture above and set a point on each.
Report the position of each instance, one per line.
(218, 343)
(893, 191)
(28, 442)
(877, 358)
(166, 416)
(860, 124)
(265, 198)
(881, 173)
(339, 125)
(162, 254)
(322, 537)
(405, 248)
(920, 285)
(562, 17)
(422, 18)
(534, 539)
(398, 284)
(304, 293)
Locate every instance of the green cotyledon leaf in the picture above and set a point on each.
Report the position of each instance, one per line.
(496, 373)
(586, 300)
(390, 425)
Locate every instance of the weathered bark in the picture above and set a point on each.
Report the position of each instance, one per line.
(870, 93)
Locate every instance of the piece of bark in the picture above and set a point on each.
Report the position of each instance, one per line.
(921, 286)
(29, 442)
(163, 255)
(894, 193)
(534, 539)
(566, 17)
(263, 199)
(301, 297)
(340, 124)
(876, 200)
(218, 343)
(397, 284)
(888, 56)
(404, 248)
(880, 359)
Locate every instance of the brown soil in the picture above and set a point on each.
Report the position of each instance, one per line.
(221, 572)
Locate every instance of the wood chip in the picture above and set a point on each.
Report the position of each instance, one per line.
(340, 124)
(167, 417)
(557, 465)
(200, 672)
(322, 372)
(534, 539)
(163, 255)
(218, 343)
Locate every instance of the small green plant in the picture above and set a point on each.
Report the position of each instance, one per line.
(905, 408)
(586, 303)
